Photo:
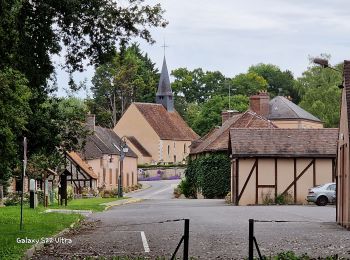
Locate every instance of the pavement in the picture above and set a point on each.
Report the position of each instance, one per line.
(217, 230)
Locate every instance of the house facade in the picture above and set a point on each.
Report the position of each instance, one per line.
(343, 166)
(102, 153)
(267, 163)
(155, 131)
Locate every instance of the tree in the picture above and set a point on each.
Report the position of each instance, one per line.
(248, 83)
(208, 115)
(64, 118)
(131, 76)
(14, 114)
(279, 82)
(320, 94)
(32, 31)
(198, 86)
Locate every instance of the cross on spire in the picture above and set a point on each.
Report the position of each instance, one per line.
(164, 46)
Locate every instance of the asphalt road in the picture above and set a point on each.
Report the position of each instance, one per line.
(217, 230)
(159, 190)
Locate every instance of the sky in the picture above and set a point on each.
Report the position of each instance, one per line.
(231, 35)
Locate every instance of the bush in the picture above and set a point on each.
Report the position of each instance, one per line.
(186, 189)
(228, 198)
(283, 199)
(14, 198)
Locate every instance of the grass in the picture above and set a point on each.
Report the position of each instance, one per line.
(36, 225)
(39, 225)
(86, 204)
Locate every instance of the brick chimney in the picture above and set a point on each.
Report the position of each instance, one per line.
(260, 103)
(226, 114)
(90, 122)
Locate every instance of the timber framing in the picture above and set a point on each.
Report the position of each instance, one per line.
(278, 185)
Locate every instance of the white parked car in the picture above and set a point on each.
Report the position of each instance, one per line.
(322, 194)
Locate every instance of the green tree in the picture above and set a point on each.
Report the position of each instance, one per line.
(131, 76)
(279, 82)
(14, 114)
(31, 32)
(198, 86)
(248, 83)
(208, 115)
(320, 94)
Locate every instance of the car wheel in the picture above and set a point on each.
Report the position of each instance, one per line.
(322, 201)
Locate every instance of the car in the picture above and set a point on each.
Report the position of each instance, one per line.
(322, 194)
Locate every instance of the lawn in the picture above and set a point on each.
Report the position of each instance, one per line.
(87, 204)
(36, 225)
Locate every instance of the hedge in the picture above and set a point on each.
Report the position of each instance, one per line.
(209, 174)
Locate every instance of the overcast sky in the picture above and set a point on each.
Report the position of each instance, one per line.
(231, 35)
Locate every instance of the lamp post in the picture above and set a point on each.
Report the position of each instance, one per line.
(123, 150)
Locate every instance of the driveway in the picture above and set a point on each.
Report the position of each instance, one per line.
(217, 230)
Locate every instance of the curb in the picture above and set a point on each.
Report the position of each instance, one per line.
(30, 252)
(127, 201)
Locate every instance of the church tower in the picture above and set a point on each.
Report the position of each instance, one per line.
(164, 94)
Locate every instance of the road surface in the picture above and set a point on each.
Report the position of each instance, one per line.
(217, 230)
(159, 190)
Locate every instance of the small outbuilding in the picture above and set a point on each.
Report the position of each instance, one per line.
(271, 162)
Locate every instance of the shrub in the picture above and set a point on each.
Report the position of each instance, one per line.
(267, 198)
(228, 198)
(186, 189)
(14, 198)
(283, 199)
(177, 192)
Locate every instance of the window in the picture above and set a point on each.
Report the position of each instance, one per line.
(104, 175)
(184, 148)
(174, 158)
(331, 187)
(110, 176)
(168, 149)
(101, 161)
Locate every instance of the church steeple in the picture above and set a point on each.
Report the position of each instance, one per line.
(164, 94)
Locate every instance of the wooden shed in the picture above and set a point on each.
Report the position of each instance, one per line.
(343, 168)
(266, 163)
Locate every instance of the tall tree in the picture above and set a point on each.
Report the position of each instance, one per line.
(31, 32)
(279, 82)
(248, 83)
(320, 94)
(14, 114)
(198, 86)
(204, 117)
(131, 76)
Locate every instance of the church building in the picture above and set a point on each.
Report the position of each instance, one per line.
(155, 131)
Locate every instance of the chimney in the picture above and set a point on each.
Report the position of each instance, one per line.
(226, 114)
(260, 103)
(90, 122)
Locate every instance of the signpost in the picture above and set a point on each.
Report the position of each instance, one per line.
(23, 175)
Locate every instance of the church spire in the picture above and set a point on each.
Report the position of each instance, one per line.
(164, 94)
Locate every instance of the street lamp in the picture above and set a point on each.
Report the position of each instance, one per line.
(123, 150)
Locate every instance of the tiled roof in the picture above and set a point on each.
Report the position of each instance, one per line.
(83, 165)
(282, 108)
(103, 141)
(167, 125)
(218, 140)
(281, 142)
(139, 146)
(346, 74)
